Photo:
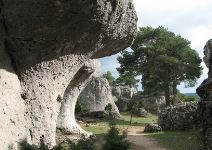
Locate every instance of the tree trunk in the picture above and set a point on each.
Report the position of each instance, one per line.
(167, 93)
(174, 86)
(131, 118)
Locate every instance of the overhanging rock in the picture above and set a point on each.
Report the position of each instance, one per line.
(45, 43)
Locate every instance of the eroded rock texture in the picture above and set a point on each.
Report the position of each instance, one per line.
(205, 93)
(124, 95)
(153, 104)
(179, 117)
(66, 118)
(96, 96)
(45, 43)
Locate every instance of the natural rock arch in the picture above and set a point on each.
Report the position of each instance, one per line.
(48, 42)
(66, 118)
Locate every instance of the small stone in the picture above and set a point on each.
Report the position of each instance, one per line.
(152, 128)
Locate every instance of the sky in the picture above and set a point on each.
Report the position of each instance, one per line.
(192, 19)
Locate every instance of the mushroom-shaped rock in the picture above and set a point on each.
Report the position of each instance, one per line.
(47, 42)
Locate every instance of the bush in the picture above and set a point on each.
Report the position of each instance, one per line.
(79, 110)
(114, 141)
(186, 98)
(83, 144)
(23, 145)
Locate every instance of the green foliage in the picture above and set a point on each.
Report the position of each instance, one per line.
(186, 98)
(108, 75)
(59, 98)
(108, 109)
(79, 110)
(23, 145)
(114, 141)
(83, 144)
(179, 140)
(163, 59)
(127, 78)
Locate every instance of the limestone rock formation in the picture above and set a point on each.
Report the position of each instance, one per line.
(124, 94)
(66, 118)
(152, 128)
(153, 104)
(45, 43)
(140, 112)
(96, 96)
(179, 117)
(205, 93)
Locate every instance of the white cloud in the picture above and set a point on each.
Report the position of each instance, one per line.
(199, 35)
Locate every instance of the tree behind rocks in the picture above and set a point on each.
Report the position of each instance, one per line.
(164, 60)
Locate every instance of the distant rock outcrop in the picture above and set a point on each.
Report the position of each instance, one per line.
(43, 45)
(153, 104)
(179, 117)
(96, 96)
(205, 93)
(124, 95)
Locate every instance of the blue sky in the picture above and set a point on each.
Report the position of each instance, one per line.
(190, 18)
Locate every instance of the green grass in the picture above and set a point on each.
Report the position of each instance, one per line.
(178, 140)
(101, 127)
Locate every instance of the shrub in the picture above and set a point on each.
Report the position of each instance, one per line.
(186, 98)
(83, 144)
(79, 110)
(114, 141)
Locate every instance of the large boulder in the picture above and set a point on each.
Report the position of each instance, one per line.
(124, 95)
(43, 45)
(205, 93)
(149, 128)
(153, 104)
(179, 117)
(140, 112)
(96, 96)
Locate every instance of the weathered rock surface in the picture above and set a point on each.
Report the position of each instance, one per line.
(66, 119)
(153, 104)
(124, 95)
(140, 112)
(13, 121)
(179, 117)
(152, 128)
(45, 43)
(96, 96)
(205, 93)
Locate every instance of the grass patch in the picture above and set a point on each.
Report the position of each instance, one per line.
(101, 127)
(175, 140)
(178, 140)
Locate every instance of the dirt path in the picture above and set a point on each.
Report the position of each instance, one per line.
(141, 142)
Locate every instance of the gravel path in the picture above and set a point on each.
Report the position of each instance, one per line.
(141, 142)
